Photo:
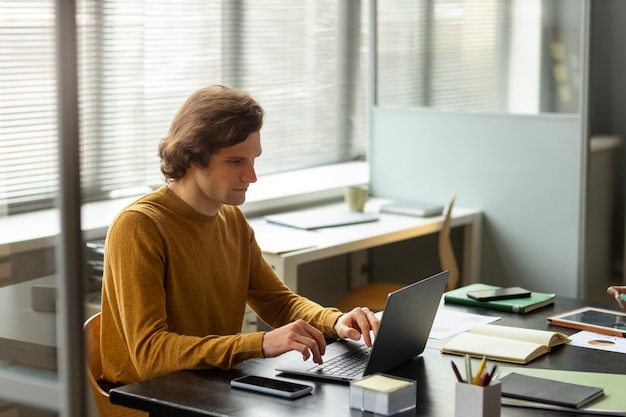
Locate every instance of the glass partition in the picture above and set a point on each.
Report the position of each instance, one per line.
(41, 254)
(28, 281)
(512, 56)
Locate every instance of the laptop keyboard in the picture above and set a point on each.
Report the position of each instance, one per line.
(350, 364)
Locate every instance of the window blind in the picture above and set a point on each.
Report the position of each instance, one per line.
(138, 62)
(28, 116)
(460, 55)
(298, 53)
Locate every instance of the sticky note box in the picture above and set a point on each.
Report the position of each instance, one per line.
(383, 394)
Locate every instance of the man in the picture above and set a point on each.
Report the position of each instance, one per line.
(182, 262)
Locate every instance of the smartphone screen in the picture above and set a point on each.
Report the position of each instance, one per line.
(499, 294)
(271, 386)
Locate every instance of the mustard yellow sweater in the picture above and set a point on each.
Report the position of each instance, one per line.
(175, 287)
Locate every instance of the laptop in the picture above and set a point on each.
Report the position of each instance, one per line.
(405, 325)
(320, 217)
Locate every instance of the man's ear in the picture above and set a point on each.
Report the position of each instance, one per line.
(196, 165)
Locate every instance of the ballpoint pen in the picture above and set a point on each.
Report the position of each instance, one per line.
(491, 374)
(456, 372)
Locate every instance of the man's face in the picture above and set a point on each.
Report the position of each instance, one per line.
(229, 173)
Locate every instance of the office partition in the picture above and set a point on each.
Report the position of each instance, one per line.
(524, 172)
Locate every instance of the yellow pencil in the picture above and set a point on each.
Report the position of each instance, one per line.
(479, 373)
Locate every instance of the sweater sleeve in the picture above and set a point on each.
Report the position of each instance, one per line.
(277, 305)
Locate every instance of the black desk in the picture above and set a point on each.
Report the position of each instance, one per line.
(207, 393)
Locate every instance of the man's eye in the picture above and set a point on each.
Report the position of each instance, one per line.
(235, 161)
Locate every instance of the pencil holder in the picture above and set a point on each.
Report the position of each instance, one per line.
(476, 401)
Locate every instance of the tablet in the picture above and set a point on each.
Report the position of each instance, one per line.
(592, 319)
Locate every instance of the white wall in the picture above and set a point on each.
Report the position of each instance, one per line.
(524, 172)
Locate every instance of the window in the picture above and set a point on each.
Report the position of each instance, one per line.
(28, 118)
(303, 61)
(512, 56)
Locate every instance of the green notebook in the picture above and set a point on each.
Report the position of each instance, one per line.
(515, 305)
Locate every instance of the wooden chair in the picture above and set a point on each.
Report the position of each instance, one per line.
(447, 260)
(99, 388)
(374, 295)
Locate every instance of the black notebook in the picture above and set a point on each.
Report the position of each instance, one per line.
(548, 391)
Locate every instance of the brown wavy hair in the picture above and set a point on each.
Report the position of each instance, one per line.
(212, 118)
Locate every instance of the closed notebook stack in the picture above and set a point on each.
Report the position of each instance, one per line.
(612, 403)
(515, 305)
(412, 208)
(549, 391)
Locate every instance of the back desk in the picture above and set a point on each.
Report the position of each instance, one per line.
(207, 393)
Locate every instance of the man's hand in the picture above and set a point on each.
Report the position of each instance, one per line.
(359, 321)
(299, 336)
(615, 291)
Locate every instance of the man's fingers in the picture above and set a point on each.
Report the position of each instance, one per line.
(299, 336)
(310, 341)
(366, 322)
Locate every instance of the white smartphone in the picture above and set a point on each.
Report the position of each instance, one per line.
(499, 294)
(271, 386)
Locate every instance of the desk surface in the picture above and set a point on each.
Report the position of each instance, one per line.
(327, 242)
(202, 393)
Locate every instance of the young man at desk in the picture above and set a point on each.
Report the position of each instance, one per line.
(182, 262)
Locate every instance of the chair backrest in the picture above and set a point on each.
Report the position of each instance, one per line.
(374, 295)
(94, 373)
(446, 252)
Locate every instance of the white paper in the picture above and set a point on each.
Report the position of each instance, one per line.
(276, 239)
(600, 341)
(448, 322)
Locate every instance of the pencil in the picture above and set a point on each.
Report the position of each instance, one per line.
(484, 381)
(468, 369)
(479, 372)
